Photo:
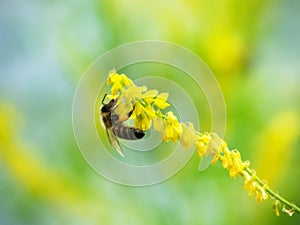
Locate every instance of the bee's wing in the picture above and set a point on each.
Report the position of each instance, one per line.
(114, 141)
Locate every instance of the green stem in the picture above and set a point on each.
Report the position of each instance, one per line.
(273, 194)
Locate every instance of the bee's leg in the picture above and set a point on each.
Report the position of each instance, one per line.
(123, 117)
(104, 99)
(129, 114)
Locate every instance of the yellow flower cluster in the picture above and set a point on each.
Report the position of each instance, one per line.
(118, 81)
(231, 160)
(173, 128)
(147, 107)
(202, 144)
(188, 136)
(253, 187)
(146, 104)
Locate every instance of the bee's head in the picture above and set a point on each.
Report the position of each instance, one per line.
(108, 107)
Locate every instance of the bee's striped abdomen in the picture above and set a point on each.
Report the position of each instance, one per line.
(129, 133)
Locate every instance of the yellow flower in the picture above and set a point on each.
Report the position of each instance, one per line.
(127, 99)
(143, 115)
(151, 97)
(143, 122)
(147, 106)
(160, 126)
(290, 212)
(188, 136)
(221, 147)
(261, 194)
(133, 97)
(253, 187)
(250, 183)
(232, 161)
(173, 128)
(276, 207)
(118, 81)
(132, 93)
(202, 143)
(237, 165)
(250, 186)
(160, 100)
(226, 159)
(142, 101)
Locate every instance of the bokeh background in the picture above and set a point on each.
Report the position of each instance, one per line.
(45, 47)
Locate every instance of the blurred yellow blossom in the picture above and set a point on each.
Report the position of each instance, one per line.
(160, 126)
(32, 173)
(226, 50)
(277, 140)
(276, 205)
(189, 135)
(260, 193)
(250, 183)
(290, 212)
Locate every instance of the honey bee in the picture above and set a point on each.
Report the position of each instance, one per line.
(115, 127)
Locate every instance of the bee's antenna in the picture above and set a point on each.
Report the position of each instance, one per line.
(104, 99)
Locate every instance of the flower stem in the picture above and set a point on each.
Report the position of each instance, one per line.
(292, 206)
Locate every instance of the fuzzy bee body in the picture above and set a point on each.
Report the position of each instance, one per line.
(115, 127)
(129, 133)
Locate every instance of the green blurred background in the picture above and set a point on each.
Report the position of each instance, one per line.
(253, 49)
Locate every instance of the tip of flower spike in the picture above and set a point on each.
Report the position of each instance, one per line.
(276, 204)
(118, 82)
(110, 78)
(290, 212)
